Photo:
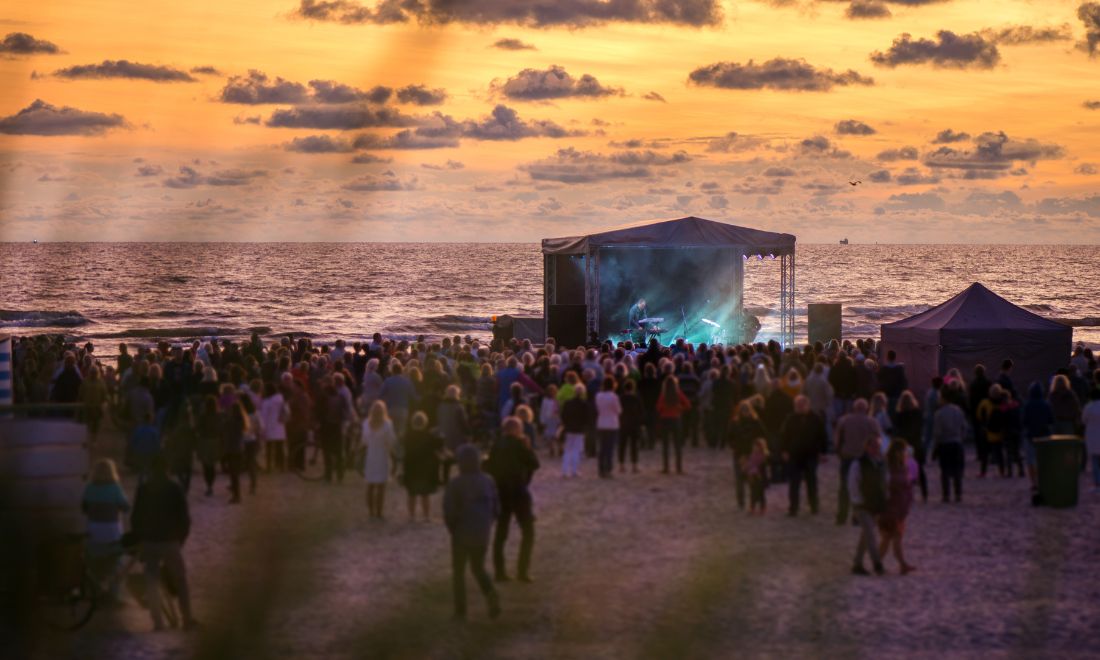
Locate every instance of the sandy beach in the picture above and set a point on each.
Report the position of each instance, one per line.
(646, 565)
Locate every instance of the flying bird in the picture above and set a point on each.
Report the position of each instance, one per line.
(854, 183)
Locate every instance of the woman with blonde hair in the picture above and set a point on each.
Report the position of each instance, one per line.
(379, 440)
(745, 428)
(103, 504)
(93, 395)
(901, 473)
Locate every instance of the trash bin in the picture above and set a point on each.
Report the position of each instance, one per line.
(1059, 464)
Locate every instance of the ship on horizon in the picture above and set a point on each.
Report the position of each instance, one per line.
(844, 241)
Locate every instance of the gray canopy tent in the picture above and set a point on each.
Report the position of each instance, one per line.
(687, 263)
(978, 327)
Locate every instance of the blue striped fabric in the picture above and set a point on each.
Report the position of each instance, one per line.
(5, 371)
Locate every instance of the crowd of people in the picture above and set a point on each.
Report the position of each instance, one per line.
(413, 411)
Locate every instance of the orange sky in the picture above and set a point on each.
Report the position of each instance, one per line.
(788, 170)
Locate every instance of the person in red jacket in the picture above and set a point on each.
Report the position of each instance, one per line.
(671, 406)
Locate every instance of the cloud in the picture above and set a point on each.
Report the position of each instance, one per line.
(901, 153)
(369, 159)
(860, 9)
(503, 123)
(853, 127)
(406, 139)
(948, 50)
(512, 44)
(947, 136)
(256, 89)
(779, 73)
(1070, 205)
(1020, 35)
(636, 143)
(881, 176)
(41, 118)
(912, 176)
(654, 96)
(421, 95)
(206, 70)
(21, 43)
(241, 119)
(1089, 13)
(449, 165)
(1087, 169)
(149, 170)
(553, 83)
(819, 146)
(124, 69)
(386, 182)
(1091, 105)
(779, 171)
(189, 177)
(926, 201)
(318, 144)
(733, 142)
(339, 117)
(752, 185)
(572, 166)
(330, 91)
(993, 152)
(533, 13)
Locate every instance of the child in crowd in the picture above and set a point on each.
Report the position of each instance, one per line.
(755, 470)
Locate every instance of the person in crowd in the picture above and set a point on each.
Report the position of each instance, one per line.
(252, 440)
(671, 406)
(453, 425)
(880, 412)
(979, 391)
(1065, 405)
(756, 473)
(550, 419)
(300, 421)
(235, 427)
(949, 428)
(1090, 417)
(1005, 379)
(161, 522)
(379, 439)
(334, 413)
(778, 405)
(399, 395)
(630, 425)
(853, 432)
(208, 441)
(608, 410)
(421, 470)
(470, 507)
(1038, 422)
(908, 426)
(274, 415)
(745, 428)
(802, 440)
(92, 397)
(866, 480)
(104, 503)
(574, 421)
(512, 464)
(901, 471)
(892, 380)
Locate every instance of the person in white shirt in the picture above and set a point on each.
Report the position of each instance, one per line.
(608, 409)
(1090, 416)
(273, 415)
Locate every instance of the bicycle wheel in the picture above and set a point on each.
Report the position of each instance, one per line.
(72, 608)
(307, 461)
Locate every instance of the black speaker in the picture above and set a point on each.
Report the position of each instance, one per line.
(823, 321)
(567, 324)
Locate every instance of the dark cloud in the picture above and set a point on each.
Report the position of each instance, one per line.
(1019, 35)
(41, 118)
(369, 159)
(553, 83)
(1070, 205)
(947, 136)
(449, 165)
(1089, 13)
(1087, 169)
(256, 88)
(881, 176)
(330, 91)
(572, 166)
(733, 142)
(318, 144)
(926, 201)
(853, 127)
(124, 69)
(654, 96)
(406, 139)
(21, 43)
(512, 44)
(533, 13)
(901, 153)
(503, 123)
(149, 170)
(912, 176)
(948, 50)
(779, 73)
(860, 9)
(637, 144)
(254, 119)
(338, 117)
(1091, 105)
(205, 70)
(993, 151)
(779, 171)
(189, 177)
(819, 146)
(386, 182)
(421, 95)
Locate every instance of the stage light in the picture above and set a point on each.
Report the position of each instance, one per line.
(760, 257)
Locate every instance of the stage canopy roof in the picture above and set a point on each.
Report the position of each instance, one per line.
(684, 232)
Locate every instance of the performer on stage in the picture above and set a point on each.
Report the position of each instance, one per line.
(634, 316)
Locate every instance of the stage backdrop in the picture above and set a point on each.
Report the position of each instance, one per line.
(683, 285)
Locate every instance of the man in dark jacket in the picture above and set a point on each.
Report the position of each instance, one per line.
(512, 463)
(470, 505)
(867, 484)
(802, 440)
(161, 522)
(892, 379)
